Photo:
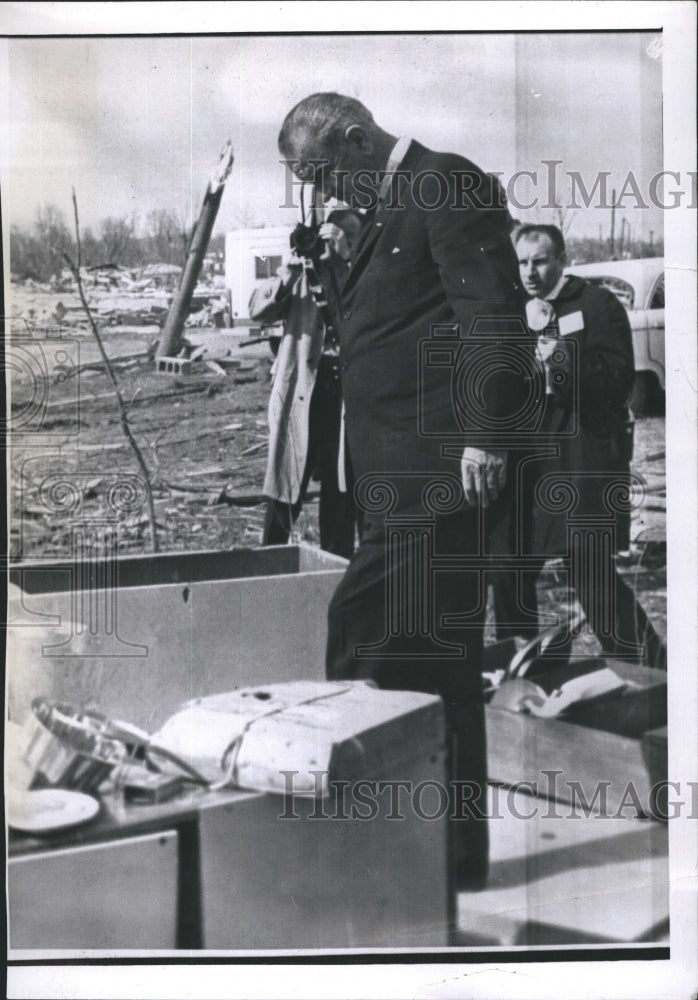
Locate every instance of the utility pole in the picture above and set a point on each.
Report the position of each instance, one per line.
(179, 310)
(624, 237)
(613, 224)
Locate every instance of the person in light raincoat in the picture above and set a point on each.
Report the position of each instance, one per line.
(305, 406)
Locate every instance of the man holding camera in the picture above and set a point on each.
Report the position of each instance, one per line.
(305, 405)
(434, 256)
(585, 443)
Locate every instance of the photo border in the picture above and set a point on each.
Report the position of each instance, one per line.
(635, 979)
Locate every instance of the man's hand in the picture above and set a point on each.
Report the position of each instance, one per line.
(288, 274)
(546, 346)
(483, 474)
(336, 238)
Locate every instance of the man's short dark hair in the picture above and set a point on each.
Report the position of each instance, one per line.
(552, 232)
(323, 119)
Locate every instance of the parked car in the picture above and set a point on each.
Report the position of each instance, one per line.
(639, 285)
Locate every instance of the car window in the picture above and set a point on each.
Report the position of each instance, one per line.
(624, 292)
(657, 300)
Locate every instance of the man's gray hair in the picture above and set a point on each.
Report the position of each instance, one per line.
(320, 122)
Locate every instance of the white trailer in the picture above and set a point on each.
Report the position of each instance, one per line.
(251, 255)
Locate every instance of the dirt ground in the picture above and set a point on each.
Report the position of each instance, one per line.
(204, 438)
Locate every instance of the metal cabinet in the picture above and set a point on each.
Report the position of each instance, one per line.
(106, 896)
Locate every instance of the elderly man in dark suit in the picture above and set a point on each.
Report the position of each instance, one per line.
(572, 499)
(431, 310)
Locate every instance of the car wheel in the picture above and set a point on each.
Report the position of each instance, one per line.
(642, 393)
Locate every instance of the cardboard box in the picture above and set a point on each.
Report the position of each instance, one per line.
(596, 745)
(323, 873)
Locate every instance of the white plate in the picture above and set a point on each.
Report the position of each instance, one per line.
(48, 809)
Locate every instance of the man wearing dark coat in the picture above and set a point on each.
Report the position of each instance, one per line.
(430, 310)
(573, 499)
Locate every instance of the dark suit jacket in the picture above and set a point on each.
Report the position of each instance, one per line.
(576, 467)
(587, 418)
(417, 268)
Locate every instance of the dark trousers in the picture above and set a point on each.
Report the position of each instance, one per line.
(337, 514)
(386, 623)
(611, 608)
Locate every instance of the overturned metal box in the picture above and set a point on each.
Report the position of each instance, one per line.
(140, 635)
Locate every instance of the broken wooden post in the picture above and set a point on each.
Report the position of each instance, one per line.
(170, 340)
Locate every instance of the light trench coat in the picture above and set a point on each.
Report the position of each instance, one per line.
(293, 380)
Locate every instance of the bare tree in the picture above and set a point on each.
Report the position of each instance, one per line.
(563, 219)
(38, 254)
(115, 235)
(74, 266)
(166, 236)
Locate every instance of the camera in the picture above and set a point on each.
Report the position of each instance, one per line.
(305, 242)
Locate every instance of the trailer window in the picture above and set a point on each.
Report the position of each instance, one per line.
(266, 267)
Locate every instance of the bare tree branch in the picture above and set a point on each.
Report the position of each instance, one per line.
(123, 413)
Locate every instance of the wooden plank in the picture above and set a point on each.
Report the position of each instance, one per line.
(522, 748)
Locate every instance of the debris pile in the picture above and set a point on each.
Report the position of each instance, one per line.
(202, 430)
(119, 296)
(204, 438)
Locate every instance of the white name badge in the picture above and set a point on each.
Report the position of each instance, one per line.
(571, 323)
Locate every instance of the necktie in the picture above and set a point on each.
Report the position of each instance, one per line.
(367, 221)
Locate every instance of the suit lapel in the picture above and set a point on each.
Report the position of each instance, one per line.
(381, 220)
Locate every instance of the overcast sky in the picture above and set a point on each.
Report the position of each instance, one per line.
(137, 123)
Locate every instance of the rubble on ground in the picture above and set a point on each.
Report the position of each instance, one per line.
(118, 296)
(203, 435)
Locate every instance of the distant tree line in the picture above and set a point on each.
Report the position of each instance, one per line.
(36, 251)
(588, 250)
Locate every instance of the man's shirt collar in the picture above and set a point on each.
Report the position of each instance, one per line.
(553, 294)
(397, 155)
